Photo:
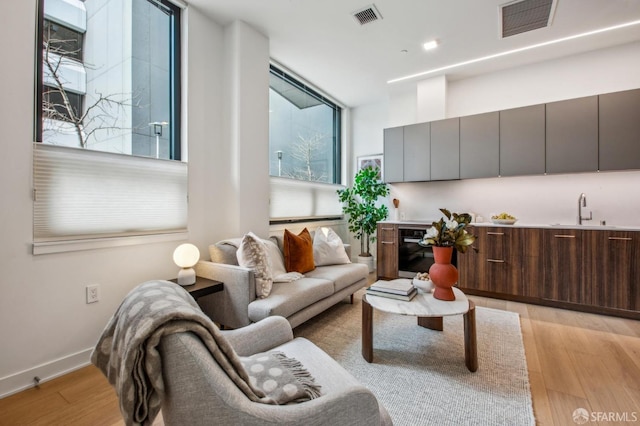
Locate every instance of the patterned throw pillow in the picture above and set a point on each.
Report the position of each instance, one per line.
(298, 251)
(328, 248)
(252, 253)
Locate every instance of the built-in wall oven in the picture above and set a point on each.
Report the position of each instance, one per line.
(412, 257)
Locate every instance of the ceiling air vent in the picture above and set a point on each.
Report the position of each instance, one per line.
(526, 15)
(367, 15)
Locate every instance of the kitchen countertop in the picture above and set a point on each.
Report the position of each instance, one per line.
(526, 225)
(564, 226)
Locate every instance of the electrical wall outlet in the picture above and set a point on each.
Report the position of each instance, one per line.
(93, 293)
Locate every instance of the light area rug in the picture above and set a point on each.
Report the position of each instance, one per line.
(419, 375)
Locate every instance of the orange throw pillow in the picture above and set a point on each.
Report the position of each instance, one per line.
(298, 251)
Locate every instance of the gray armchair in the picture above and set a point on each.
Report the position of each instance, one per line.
(198, 392)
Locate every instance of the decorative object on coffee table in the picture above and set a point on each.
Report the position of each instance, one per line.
(423, 282)
(444, 236)
(401, 289)
(443, 274)
(186, 256)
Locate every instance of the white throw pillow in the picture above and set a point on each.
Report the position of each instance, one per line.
(278, 270)
(328, 248)
(253, 254)
(276, 258)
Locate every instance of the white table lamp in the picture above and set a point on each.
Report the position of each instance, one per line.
(186, 256)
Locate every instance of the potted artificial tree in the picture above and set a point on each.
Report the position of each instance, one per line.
(359, 203)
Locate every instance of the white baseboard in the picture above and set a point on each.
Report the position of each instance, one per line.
(23, 380)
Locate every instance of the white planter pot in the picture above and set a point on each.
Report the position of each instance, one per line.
(367, 260)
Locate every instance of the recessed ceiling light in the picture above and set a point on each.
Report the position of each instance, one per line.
(509, 52)
(430, 45)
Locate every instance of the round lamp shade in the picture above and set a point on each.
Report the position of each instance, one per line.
(186, 255)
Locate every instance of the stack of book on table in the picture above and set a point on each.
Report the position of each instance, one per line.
(401, 289)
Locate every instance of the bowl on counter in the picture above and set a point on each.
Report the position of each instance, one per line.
(504, 221)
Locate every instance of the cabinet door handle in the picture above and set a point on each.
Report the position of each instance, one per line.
(564, 236)
(621, 238)
(387, 242)
(495, 233)
(495, 261)
(387, 229)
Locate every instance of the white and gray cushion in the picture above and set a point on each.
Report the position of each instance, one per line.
(288, 298)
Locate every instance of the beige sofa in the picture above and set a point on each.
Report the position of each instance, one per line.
(297, 301)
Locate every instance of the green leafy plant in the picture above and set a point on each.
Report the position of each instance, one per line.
(359, 203)
(450, 232)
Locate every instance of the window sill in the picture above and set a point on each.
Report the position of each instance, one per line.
(98, 243)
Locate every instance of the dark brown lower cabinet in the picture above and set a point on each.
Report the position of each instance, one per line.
(496, 266)
(471, 272)
(387, 248)
(616, 269)
(567, 277)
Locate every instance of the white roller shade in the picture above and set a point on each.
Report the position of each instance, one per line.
(82, 194)
(295, 199)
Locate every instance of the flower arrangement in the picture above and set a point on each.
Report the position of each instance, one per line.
(450, 232)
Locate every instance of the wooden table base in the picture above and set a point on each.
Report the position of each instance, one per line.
(433, 323)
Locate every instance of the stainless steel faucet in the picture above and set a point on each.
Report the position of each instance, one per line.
(582, 202)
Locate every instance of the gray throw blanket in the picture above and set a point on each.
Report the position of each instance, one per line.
(127, 353)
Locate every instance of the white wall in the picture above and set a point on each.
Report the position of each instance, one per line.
(432, 99)
(45, 325)
(601, 71)
(247, 85)
(613, 196)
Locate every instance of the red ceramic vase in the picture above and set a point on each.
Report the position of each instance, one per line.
(443, 274)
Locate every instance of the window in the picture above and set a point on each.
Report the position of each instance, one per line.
(108, 119)
(63, 40)
(61, 105)
(304, 131)
(304, 147)
(114, 83)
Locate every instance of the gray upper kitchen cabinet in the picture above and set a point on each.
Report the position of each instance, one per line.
(417, 147)
(445, 149)
(480, 145)
(394, 154)
(572, 135)
(619, 132)
(522, 140)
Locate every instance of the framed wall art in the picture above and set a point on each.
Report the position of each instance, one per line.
(371, 161)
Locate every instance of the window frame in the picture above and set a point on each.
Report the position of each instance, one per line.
(286, 192)
(337, 109)
(80, 35)
(173, 9)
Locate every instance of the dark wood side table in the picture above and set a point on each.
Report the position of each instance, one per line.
(202, 287)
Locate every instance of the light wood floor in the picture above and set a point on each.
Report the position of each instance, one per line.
(575, 360)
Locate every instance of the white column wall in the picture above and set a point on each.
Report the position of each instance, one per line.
(247, 85)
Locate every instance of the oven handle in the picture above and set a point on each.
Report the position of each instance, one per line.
(412, 240)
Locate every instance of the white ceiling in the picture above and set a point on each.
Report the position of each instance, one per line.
(322, 42)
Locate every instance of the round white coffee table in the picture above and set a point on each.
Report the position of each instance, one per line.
(429, 312)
